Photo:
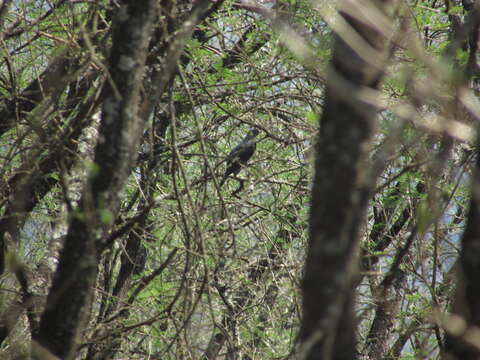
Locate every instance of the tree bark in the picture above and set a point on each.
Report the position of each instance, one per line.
(467, 294)
(466, 305)
(341, 190)
(68, 302)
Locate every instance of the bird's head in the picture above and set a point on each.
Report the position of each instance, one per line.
(252, 133)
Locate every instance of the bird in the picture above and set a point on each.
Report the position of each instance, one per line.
(154, 152)
(240, 154)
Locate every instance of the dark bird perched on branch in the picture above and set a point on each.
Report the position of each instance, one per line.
(240, 154)
(157, 150)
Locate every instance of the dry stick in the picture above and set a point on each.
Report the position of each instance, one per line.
(144, 282)
(209, 167)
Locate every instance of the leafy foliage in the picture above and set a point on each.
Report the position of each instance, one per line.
(189, 269)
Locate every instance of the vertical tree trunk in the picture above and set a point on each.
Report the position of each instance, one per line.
(461, 332)
(341, 190)
(68, 302)
(459, 343)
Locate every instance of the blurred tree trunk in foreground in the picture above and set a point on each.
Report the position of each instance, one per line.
(342, 186)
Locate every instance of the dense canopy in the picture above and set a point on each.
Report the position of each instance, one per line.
(345, 226)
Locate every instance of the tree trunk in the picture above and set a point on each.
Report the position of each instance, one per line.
(69, 299)
(341, 191)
